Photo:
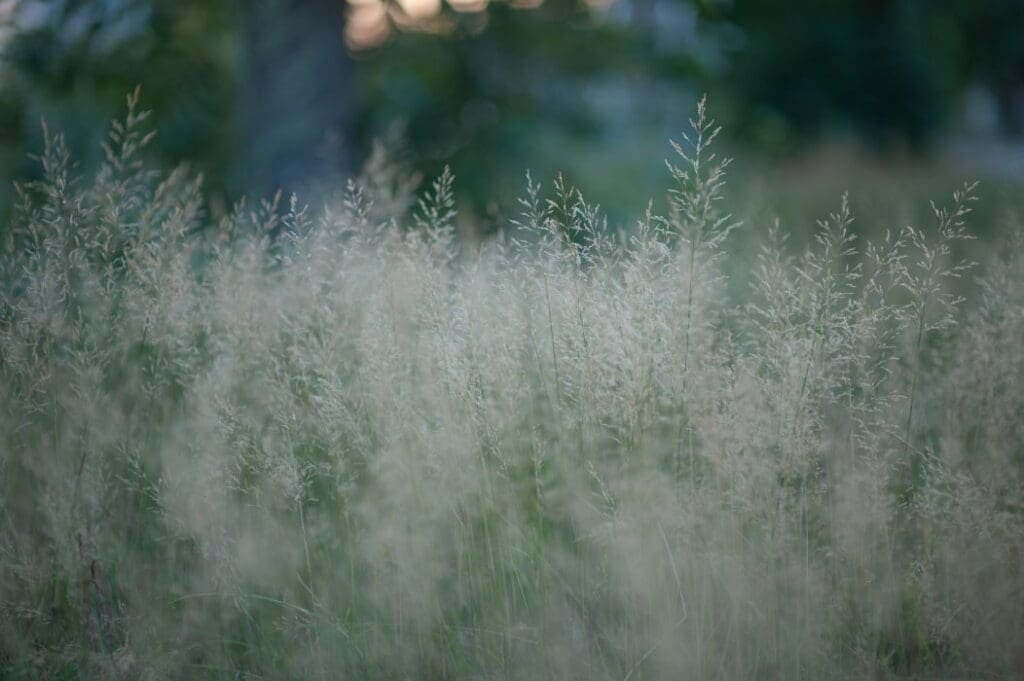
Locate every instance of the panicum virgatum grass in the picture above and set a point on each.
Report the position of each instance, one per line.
(342, 443)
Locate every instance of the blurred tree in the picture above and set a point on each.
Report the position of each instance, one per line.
(493, 92)
(71, 62)
(810, 67)
(992, 53)
(252, 93)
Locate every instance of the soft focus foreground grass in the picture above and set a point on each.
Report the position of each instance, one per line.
(338, 444)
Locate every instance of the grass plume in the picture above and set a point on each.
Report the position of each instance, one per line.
(340, 443)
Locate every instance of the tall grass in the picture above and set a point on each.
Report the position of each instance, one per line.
(344, 444)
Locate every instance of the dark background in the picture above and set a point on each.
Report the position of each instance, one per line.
(290, 94)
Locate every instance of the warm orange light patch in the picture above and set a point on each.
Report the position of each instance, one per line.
(367, 25)
(468, 5)
(420, 9)
(370, 22)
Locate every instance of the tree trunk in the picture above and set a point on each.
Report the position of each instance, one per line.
(297, 95)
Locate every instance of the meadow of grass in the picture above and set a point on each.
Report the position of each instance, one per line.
(344, 443)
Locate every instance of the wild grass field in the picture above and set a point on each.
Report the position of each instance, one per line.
(342, 443)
